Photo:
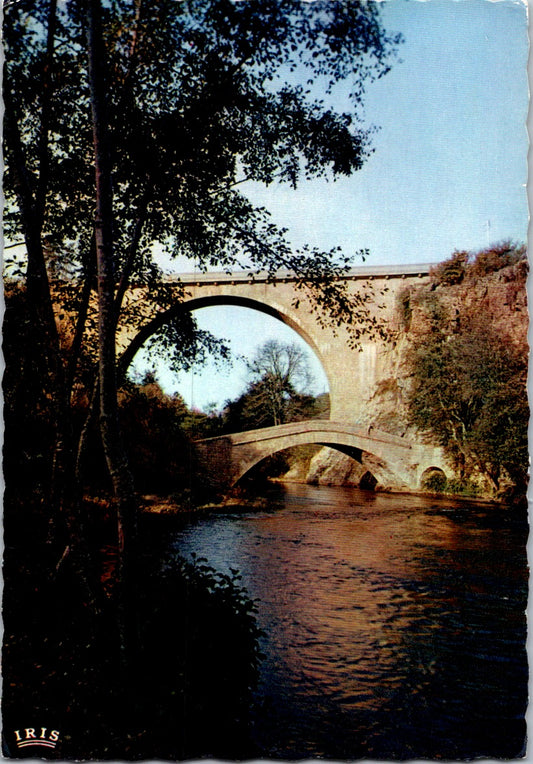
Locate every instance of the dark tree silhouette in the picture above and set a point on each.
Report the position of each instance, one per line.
(130, 129)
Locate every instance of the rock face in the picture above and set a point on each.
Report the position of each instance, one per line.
(298, 473)
(498, 294)
(330, 467)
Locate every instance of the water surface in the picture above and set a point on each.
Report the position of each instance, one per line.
(394, 625)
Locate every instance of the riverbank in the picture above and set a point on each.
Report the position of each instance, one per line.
(154, 504)
(64, 666)
(170, 505)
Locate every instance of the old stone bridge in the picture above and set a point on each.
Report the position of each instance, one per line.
(393, 461)
(355, 376)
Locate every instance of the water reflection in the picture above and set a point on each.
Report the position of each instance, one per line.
(394, 625)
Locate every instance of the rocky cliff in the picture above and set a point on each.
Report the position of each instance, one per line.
(493, 287)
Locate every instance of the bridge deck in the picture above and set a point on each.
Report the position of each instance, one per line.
(361, 272)
(312, 425)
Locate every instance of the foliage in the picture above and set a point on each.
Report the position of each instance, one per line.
(286, 362)
(274, 394)
(469, 390)
(185, 103)
(158, 431)
(27, 390)
(127, 142)
(183, 344)
(303, 406)
(199, 651)
(495, 258)
(203, 674)
(464, 487)
(199, 101)
(192, 99)
(276, 371)
(247, 412)
(451, 271)
(158, 450)
(475, 265)
(435, 481)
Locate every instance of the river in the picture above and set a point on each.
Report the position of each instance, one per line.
(394, 625)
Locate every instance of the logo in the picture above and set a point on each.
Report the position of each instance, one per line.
(36, 736)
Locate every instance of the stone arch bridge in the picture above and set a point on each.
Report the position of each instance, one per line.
(393, 461)
(354, 376)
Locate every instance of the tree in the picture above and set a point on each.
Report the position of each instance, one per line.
(175, 105)
(197, 105)
(115, 455)
(278, 371)
(153, 115)
(469, 375)
(277, 391)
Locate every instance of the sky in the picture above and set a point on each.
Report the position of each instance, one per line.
(449, 167)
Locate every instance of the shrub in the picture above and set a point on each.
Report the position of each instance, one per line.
(451, 271)
(464, 487)
(200, 658)
(158, 449)
(495, 258)
(436, 481)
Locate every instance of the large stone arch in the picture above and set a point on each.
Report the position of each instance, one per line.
(207, 301)
(196, 303)
(191, 303)
(353, 374)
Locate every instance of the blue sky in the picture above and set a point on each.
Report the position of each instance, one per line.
(449, 169)
(449, 166)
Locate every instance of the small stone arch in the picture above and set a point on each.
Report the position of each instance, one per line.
(433, 479)
(376, 474)
(304, 439)
(226, 459)
(368, 481)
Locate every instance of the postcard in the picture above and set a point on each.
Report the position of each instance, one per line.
(265, 388)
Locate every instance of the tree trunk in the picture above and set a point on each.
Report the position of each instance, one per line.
(109, 420)
(31, 196)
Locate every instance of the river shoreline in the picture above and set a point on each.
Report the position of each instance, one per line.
(168, 505)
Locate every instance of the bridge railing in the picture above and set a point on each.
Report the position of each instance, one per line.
(362, 272)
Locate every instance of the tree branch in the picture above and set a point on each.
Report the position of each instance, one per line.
(130, 259)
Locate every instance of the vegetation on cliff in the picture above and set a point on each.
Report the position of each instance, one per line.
(456, 376)
(467, 360)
